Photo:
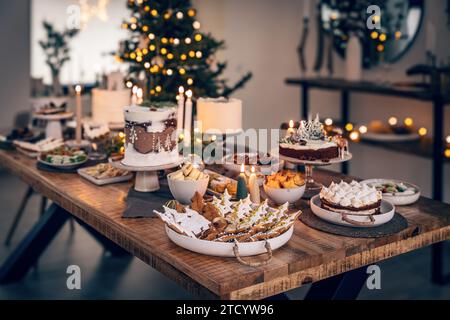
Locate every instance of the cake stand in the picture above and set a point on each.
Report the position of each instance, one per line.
(146, 177)
(53, 128)
(313, 187)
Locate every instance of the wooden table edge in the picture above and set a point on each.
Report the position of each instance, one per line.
(335, 267)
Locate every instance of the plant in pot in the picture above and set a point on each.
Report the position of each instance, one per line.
(56, 49)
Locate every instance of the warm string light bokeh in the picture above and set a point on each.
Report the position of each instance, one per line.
(355, 133)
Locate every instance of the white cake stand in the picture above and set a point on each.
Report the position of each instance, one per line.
(313, 187)
(53, 128)
(146, 177)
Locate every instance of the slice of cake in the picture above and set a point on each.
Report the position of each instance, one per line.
(310, 143)
(351, 198)
(150, 135)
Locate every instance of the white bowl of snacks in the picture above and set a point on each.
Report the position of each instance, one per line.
(184, 183)
(285, 186)
(395, 191)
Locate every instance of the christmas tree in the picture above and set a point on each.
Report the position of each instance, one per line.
(167, 50)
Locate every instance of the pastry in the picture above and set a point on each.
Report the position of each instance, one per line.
(351, 198)
(188, 172)
(105, 171)
(225, 221)
(309, 143)
(285, 179)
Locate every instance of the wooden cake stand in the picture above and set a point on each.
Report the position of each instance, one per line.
(146, 177)
(53, 128)
(313, 187)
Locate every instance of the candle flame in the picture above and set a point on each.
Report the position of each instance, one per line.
(189, 94)
(291, 124)
(94, 146)
(242, 168)
(181, 89)
(78, 89)
(253, 169)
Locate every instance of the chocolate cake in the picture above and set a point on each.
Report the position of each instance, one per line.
(150, 135)
(310, 143)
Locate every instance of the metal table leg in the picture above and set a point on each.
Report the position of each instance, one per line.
(345, 286)
(33, 245)
(18, 216)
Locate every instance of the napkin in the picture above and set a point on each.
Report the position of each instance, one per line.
(142, 204)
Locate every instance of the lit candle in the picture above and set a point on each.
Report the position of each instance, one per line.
(139, 96)
(242, 191)
(180, 108)
(291, 130)
(253, 186)
(134, 95)
(78, 114)
(188, 118)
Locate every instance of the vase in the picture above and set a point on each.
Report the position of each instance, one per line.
(353, 58)
(56, 85)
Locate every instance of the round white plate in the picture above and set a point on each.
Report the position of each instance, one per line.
(53, 117)
(347, 157)
(63, 166)
(389, 137)
(120, 165)
(221, 249)
(397, 199)
(386, 214)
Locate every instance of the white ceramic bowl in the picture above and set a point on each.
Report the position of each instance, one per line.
(184, 190)
(354, 220)
(281, 196)
(397, 199)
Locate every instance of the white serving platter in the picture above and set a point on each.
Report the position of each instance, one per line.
(397, 199)
(101, 182)
(221, 249)
(354, 220)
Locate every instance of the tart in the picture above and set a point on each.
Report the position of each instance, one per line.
(351, 198)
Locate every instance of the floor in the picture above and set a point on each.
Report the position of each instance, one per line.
(106, 277)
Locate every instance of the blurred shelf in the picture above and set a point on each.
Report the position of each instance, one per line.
(404, 90)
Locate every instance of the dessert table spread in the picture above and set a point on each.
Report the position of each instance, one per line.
(309, 257)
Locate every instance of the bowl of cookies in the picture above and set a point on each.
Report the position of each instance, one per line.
(184, 183)
(285, 186)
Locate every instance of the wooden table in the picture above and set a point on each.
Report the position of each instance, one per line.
(309, 257)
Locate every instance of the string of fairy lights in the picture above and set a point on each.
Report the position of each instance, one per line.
(160, 55)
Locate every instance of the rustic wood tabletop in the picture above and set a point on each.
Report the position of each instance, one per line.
(308, 257)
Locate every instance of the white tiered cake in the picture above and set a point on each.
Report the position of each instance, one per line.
(151, 138)
(107, 105)
(220, 115)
